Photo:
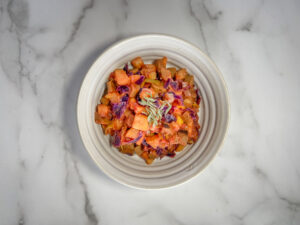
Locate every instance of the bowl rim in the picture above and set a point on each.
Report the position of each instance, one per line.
(219, 74)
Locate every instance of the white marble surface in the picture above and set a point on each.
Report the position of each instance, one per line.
(47, 177)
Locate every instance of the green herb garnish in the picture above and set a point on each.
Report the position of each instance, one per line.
(155, 113)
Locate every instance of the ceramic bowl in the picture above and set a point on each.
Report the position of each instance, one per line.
(214, 113)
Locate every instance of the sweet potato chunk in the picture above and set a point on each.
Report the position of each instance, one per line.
(181, 74)
(137, 62)
(103, 110)
(121, 77)
(132, 133)
(140, 122)
(165, 74)
(153, 141)
(113, 97)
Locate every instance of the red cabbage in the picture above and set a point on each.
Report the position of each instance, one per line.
(145, 143)
(167, 83)
(136, 139)
(125, 98)
(159, 151)
(169, 118)
(130, 73)
(192, 113)
(174, 85)
(122, 89)
(138, 73)
(126, 68)
(139, 81)
(116, 141)
(118, 109)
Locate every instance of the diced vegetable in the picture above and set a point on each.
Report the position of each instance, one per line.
(137, 62)
(140, 122)
(165, 74)
(134, 89)
(104, 101)
(132, 133)
(121, 77)
(113, 97)
(173, 71)
(153, 141)
(127, 149)
(111, 86)
(103, 110)
(160, 63)
(181, 74)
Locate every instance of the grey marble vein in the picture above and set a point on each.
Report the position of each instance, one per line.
(76, 25)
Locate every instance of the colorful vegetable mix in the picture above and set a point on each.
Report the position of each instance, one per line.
(150, 110)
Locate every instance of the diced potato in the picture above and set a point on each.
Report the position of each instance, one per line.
(183, 137)
(137, 62)
(101, 120)
(117, 124)
(134, 89)
(104, 101)
(132, 103)
(188, 102)
(160, 63)
(190, 80)
(175, 126)
(165, 74)
(140, 122)
(139, 109)
(181, 74)
(145, 156)
(127, 149)
(111, 86)
(173, 71)
(138, 150)
(139, 142)
(147, 69)
(154, 141)
(134, 70)
(132, 133)
(109, 129)
(179, 148)
(152, 75)
(103, 110)
(113, 97)
(134, 78)
(121, 77)
(129, 119)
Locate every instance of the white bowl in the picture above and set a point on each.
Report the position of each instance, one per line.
(214, 114)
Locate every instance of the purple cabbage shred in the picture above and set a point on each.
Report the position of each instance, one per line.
(122, 89)
(126, 68)
(169, 118)
(167, 83)
(116, 140)
(140, 81)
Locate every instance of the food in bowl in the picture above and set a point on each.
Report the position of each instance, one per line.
(149, 109)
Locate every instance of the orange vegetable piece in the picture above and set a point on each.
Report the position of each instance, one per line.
(117, 124)
(165, 74)
(113, 97)
(139, 142)
(121, 77)
(132, 133)
(103, 110)
(134, 78)
(137, 62)
(140, 122)
(161, 63)
(154, 141)
(181, 74)
(134, 89)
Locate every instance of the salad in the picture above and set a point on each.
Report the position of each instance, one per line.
(149, 109)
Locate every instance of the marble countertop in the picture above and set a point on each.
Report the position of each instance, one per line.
(48, 178)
